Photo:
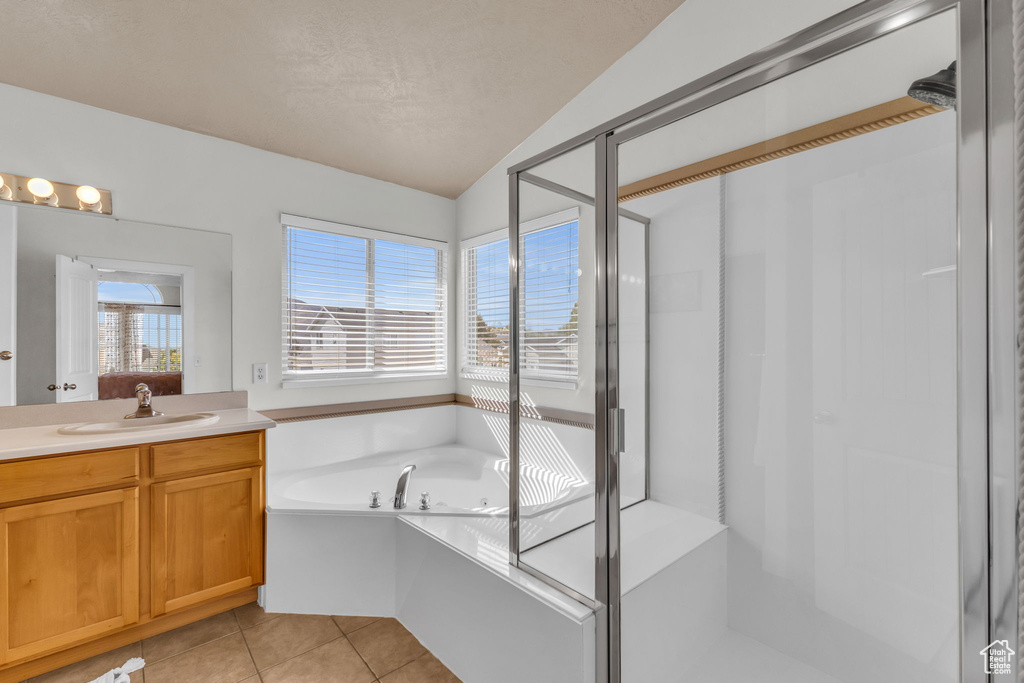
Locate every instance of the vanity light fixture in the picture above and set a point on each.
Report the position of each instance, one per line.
(41, 191)
(88, 195)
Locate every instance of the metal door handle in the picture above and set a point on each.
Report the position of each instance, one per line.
(66, 387)
(6, 355)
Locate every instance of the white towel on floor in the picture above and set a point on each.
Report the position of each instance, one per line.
(120, 674)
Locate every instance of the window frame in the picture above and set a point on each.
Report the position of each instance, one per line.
(485, 374)
(290, 379)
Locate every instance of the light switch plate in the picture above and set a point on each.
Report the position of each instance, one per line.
(259, 373)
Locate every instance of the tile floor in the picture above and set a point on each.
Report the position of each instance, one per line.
(248, 645)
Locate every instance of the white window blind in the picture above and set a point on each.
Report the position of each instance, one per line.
(361, 303)
(549, 340)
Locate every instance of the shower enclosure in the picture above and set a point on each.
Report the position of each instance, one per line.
(783, 299)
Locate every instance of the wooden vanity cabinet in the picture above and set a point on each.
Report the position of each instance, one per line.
(103, 548)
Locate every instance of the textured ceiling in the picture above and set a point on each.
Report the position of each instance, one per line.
(425, 93)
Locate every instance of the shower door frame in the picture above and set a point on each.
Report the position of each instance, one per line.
(987, 322)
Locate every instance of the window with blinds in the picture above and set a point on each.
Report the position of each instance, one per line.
(549, 305)
(361, 303)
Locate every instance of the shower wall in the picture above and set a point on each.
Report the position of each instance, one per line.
(841, 404)
(684, 297)
(840, 395)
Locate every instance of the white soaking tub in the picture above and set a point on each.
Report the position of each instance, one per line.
(439, 570)
(459, 479)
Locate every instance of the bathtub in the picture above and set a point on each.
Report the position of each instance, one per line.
(460, 480)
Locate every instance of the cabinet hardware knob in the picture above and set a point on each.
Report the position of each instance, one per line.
(6, 355)
(66, 387)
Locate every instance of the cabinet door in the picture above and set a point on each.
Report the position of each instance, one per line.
(70, 571)
(207, 538)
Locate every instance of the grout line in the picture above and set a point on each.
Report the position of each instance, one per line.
(164, 659)
(273, 615)
(360, 654)
(326, 642)
(375, 620)
(248, 651)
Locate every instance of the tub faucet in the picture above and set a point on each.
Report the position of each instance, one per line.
(403, 487)
(144, 395)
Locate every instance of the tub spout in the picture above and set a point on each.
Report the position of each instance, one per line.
(403, 487)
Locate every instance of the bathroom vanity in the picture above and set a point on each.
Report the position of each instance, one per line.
(121, 536)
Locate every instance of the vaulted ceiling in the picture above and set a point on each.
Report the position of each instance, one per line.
(424, 93)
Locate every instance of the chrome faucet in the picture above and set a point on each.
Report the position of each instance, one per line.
(145, 396)
(403, 487)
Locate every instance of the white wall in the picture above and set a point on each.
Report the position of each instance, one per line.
(172, 177)
(841, 449)
(683, 270)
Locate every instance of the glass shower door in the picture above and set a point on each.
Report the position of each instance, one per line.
(800, 409)
(553, 441)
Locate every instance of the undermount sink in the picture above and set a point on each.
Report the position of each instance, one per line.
(142, 424)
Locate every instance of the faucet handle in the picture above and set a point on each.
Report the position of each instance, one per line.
(424, 501)
(374, 499)
(144, 393)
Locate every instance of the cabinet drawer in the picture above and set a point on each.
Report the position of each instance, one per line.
(67, 473)
(222, 452)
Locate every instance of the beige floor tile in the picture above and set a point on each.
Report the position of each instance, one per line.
(94, 667)
(187, 637)
(225, 660)
(286, 636)
(349, 624)
(252, 614)
(386, 645)
(426, 669)
(335, 662)
(251, 679)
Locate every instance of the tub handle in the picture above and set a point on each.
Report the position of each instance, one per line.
(424, 501)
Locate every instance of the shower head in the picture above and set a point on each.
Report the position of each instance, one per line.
(938, 89)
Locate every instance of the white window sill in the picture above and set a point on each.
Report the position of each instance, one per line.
(335, 381)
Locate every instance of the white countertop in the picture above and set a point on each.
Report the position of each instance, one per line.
(27, 442)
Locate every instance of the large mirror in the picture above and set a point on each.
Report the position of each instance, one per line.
(97, 305)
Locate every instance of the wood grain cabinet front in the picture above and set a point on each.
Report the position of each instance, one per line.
(70, 571)
(207, 538)
(101, 548)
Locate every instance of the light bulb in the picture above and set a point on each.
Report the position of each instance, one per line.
(40, 188)
(88, 195)
(5, 190)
